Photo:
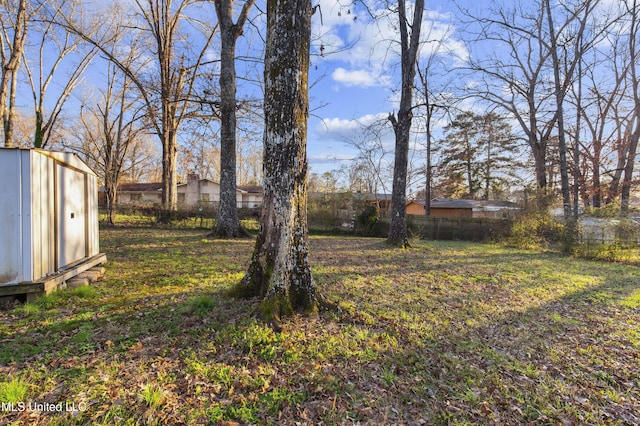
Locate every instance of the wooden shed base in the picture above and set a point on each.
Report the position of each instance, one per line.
(83, 273)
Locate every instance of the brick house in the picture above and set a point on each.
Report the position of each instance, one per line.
(446, 207)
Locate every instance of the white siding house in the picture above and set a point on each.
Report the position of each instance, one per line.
(195, 192)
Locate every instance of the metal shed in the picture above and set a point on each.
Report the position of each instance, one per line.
(48, 220)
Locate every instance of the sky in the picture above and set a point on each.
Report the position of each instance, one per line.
(355, 81)
(354, 73)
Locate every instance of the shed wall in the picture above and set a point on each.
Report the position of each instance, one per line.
(48, 213)
(10, 217)
(42, 220)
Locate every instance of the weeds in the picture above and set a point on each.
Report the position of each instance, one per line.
(152, 395)
(14, 391)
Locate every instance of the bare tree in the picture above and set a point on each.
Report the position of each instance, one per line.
(279, 272)
(249, 157)
(632, 15)
(111, 128)
(371, 163)
(170, 82)
(568, 38)
(14, 22)
(409, 44)
(598, 118)
(228, 224)
(199, 151)
(515, 77)
(143, 162)
(57, 44)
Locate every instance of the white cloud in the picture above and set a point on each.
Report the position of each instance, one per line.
(325, 158)
(360, 77)
(338, 128)
(368, 48)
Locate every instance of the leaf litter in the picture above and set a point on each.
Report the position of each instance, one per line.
(442, 333)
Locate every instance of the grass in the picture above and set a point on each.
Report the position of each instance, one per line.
(13, 391)
(442, 333)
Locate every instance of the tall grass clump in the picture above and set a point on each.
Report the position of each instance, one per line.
(13, 391)
(536, 230)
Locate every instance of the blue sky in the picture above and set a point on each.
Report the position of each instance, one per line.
(356, 78)
(354, 81)
(358, 83)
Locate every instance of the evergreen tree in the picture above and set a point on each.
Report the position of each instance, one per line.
(479, 155)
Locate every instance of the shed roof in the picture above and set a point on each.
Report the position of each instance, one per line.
(70, 158)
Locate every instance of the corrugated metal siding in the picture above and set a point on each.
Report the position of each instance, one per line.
(71, 199)
(10, 202)
(28, 217)
(92, 226)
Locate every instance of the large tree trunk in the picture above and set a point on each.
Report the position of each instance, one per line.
(169, 175)
(402, 125)
(110, 199)
(228, 224)
(279, 271)
(539, 151)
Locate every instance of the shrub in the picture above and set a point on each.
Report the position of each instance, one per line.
(535, 231)
(369, 221)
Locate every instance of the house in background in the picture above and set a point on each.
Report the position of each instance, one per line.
(469, 209)
(381, 201)
(138, 193)
(195, 192)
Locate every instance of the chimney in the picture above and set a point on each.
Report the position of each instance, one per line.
(193, 189)
(192, 177)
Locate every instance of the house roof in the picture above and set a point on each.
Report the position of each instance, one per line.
(140, 187)
(199, 180)
(372, 197)
(449, 203)
(251, 189)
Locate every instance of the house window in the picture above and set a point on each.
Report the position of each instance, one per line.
(205, 197)
(204, 183)
(136, 197)
(182, 197)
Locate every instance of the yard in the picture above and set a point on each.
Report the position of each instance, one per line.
(442, 333)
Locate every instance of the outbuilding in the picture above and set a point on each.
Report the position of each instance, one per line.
(49, 220)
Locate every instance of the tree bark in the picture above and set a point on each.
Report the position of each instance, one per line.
(559, 89)
(635, 133)
(279, 271)
(228, 224)
(10, 66)
(409, 44)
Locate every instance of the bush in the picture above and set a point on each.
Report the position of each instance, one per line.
(608, 211)
(369, 222)
(535, 231)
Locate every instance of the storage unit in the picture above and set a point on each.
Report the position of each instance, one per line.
(48, 220)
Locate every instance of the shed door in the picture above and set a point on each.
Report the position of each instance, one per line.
(71, 189)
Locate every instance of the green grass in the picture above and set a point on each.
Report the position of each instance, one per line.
(152, 395)
(442, 333)
(13, 391)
